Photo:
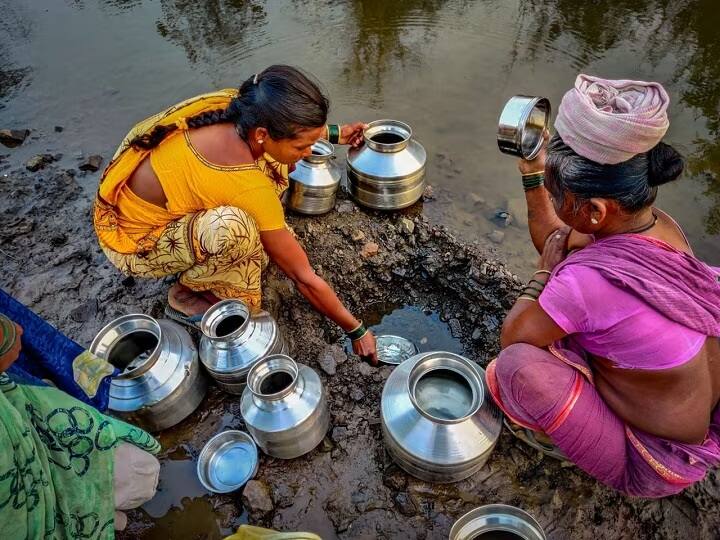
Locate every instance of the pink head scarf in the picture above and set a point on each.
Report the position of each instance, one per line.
(611, 121)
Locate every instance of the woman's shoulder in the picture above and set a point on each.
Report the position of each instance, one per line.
(220, 144)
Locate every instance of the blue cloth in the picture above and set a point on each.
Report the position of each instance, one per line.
(48, 354)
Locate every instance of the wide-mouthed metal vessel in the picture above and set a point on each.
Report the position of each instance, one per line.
(227, 461)
(388, 171)
(234, 339)
(285, 407)
(497, 521)
(160, 382)
(315, 181)
(521, 125)
(439, 423)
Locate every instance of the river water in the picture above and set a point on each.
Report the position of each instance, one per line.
(446, 67)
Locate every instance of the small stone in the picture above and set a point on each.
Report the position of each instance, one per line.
(406, 226)
(328, 364)
(358, 236)
(428, 193)
(38, 162)
(455, 328)
(345, 207)
(369, 250)
(339, 433)
(496, 236)
(365, 369)
(476, 199)
(13, 137)
(92, 163)
(256, 498)
(405, 504)
(477, 334)
(58, 129)
(356, 394)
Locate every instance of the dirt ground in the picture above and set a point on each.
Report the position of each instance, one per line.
(347, 487)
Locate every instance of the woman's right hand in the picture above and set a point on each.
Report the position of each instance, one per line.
(538, 164)
(366, 348)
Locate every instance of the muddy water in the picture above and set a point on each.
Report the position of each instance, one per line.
(445, 66)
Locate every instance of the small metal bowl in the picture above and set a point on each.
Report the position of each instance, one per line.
(227, 461)
(521, 126)
(394, 349)
(496, 518)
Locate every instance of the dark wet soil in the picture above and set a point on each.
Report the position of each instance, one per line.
(424, 284)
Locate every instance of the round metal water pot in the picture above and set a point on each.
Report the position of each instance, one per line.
(388, 171)
(497, 521)
(285, 407)
(234, 339)
(439, 422)
(521, 126)
(160, 382)
(315, 181)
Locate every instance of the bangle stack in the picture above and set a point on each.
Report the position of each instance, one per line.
(534, 288)
(8, 334)
(533, 180)
(333, 133)
(357, 333)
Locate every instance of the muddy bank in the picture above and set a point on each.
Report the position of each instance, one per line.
(346, 488)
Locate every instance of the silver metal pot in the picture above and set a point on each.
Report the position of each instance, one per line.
(233, 340)
(493, 518)
(285, 407)
(521, 125)
(439, 423)
(315, 181)
(161, 381)
(388, 171)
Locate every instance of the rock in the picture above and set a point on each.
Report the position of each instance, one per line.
(92, 163)
(518, 210)
(477, 334)
(356, 394)
(358, 236)
(13, 137)
(256, 498)
(428, 193)
(477, 200)
(405, 504)
(58, 129)
(496, 236)
(345, 207)
(38, 162)
(339, 433)
(369, 250)
(328, 364)
(504, 217)
(365, 369)
(406, 226)
(455, 328)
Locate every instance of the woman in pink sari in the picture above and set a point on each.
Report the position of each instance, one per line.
(612, 351)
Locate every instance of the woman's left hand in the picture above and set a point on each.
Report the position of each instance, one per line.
(555, 249)
(352, 134)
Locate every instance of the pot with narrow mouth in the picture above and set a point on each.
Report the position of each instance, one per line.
(234, 339)
(285, 407)
(315, 181)
(497, 521)
(521, 125)
(439, 422)
(388, 171)
(160, 382)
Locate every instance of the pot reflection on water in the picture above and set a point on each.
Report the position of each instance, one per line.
(438, 421)
(315, 181)
(160, 382)
(285, 407)
(388, 171)
(234, 339)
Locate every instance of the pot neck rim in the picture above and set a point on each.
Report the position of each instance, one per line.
(122, 327)
(220, 312)
(446, 361)
(325, 152)
(268, 366)
(398, 129)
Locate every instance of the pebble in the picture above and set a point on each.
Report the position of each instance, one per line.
(406, 226)
(369, 250)
(92, 163)
(345, 207)
(358, 236)
(38, 162)
(339, 433)
(13, 137)
(405, 504)
(256, 498)
(477, 334)
(356, 394)
(365, 369)
(328, 364)
(455, 328)
(428, 193)
(496, 236)
(59, 129)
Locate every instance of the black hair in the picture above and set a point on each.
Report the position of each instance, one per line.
(282, 99)
(632, 183)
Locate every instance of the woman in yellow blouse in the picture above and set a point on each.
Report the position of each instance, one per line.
(195, 191)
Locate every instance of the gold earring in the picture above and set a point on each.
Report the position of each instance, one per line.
(593, 221)
(260, 141)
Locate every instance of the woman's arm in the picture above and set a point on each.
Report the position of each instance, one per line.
(289, 255)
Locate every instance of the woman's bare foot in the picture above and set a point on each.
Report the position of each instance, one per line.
(187, 301)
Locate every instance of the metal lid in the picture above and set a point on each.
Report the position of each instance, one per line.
(394, 349)
(496, 518)
(227, 461)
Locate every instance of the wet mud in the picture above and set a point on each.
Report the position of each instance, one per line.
(420, 282)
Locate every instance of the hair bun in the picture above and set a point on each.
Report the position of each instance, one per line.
(665, 164)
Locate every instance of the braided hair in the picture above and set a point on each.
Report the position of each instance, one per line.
(282, 99)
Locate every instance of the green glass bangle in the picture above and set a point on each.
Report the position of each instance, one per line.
(9, 334)
(533, 181)
(358, 333)
(333, 133)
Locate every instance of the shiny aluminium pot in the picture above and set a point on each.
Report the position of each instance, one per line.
(160, 382)
(439, 422)
(234, 339)
(285, 407)
(315, 181)
(388, 171)
(521, 125)
(492, 520)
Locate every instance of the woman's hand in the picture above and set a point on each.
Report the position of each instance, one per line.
(537, 164)
(366, 348)
(7, 359)
(352, 134)
(555, 249)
